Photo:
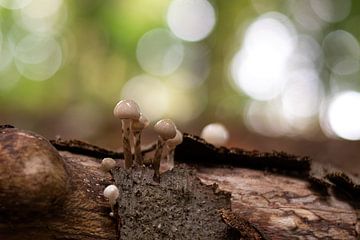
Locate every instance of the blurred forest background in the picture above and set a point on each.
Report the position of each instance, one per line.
(280, 74)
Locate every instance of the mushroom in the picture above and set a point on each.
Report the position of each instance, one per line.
(171, 145)
(137, 127)
(166, 130)
(107, 164)
(111, 192)
(215, 133)
(127, 111)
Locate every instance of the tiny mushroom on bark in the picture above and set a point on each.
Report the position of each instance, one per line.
(166, 130)
(127, 111)
(215, 133)
(111, 192)
(171, 145)
(137, 127)
(107, 164)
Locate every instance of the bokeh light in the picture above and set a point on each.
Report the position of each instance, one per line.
(14, 4)
(185, 106)
(302, 94)
(266, 118)
(42, 8)
(305, 16)
(6, 53)
(194, 68)
(150, 93)
(307, 54)
(275, 68)
(191, 20)
(342, 52)
(331, 10)
(259, 68)
(42, 16)
(8, 77)
(344, 115)
(159, 52)
(38, 57)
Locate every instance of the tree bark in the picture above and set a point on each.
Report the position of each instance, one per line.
(274, 195)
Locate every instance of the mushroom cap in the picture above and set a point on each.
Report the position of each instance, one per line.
(111, 192)
(127, 109)
(173, 142)
(107, 164)
(215, 133)
(165, 128)
(140, 124)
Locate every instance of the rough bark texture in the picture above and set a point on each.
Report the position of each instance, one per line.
(274, 195)
(291, 197)
(178, 207)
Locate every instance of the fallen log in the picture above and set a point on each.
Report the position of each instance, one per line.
(274, 195)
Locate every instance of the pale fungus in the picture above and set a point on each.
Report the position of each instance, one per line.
(171, 145)
(215, 133)
(111, 192)
(107, 164)
(166, 130)
(128, 111)
(137, 127)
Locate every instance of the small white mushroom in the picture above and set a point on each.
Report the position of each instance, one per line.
(137, 127)
(215, 133)
(171, 145)
(166, 130)
(107, 164)
(127, 111)
(111, 192)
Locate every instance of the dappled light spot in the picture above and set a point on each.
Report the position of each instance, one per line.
(38, 57)
(307, 54)
(14, 4)
(6, 54)
(186, 105)
(342, 52)
(42, 8)
(302, 94)
(265, 118)
(344, 115)
(159, 52)
(194, 68)
(259, 68)
(331, 10)
(150, 93)
(9, 77)
(42, 16)
(305, 16)
(191, 20)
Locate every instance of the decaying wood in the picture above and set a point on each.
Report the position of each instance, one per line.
(180, 206)
(82, 213)
(33, 177)
(299, 198)
(83, 148)
(274, 196)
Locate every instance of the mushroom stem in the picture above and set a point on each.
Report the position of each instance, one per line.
(157, 159)
(137, 146)
(126, 143)
(170, 158)
(112, 204)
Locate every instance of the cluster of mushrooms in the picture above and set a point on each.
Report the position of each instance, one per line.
(133, 122)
